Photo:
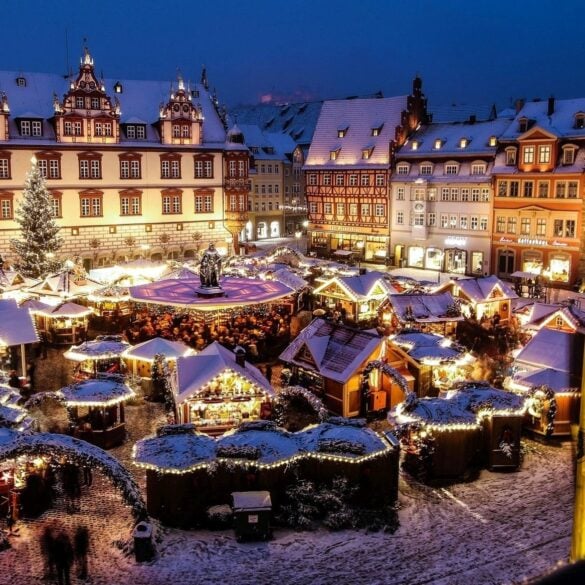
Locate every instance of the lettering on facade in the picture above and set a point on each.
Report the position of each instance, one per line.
(455, 241)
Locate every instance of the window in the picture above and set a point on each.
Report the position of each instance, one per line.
(339, 180)
(334, 154)
(560, 190)
(573, 189)
(204, 203)
(445, 194)
(6, 206)
(485, 194)
(454, 196)
(269, 169)
(541, 227)
(172, 202)
(367, 153)
(514, 188)
(79, 102)
(376, 130)
(353, 209)
(91, 204)
(543, 189)
(203, 168)
(502, 188)
(426, 169)
(90, 166)
(483, 223)
(474, 223)
(328, 207)
(270, 189)
(544, 154)
(402, 170)
(464, 194)
(528, 155)
(432, 194)
(380, 210)
(327, 179)
(262, 168)
(340, 209)
(453, 221)
(525, 226)
(432, 221)
(103, 129)
(4, 167)
(568, 156)
(31, 128)
(438, 144)
(478, 169)
(558, 228)
(56, 204)
(312, 207)
(570, 228)
(130, 203)
(418, 219)
(510, 156)
(73, 128)
(341, 132)
(365, 180)
(418, 195)
(242, 168)
(512, 222)
(444, 220)
(95, 103)
(276, 188)
(380, 180)
(312, 179)
(500, 224)
(463, 222)
(528, 188)
(400, 217)
(400, 194)
(129, 168)
(353, 180)
(170, 167)
(451, 169)
(475, 195)
(263, 189)
(580, 120)
(50, 168)
(365, 210)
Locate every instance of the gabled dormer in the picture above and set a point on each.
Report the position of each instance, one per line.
(4, 113)
(87, 114)
(180, 121)
(538, 150)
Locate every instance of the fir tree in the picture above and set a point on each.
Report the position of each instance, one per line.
(40, 241)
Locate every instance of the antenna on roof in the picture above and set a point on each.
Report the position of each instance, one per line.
(67, 70)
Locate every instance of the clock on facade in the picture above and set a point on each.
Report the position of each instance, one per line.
(419, 206)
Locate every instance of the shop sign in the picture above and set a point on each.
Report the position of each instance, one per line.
(533, 241)
(455, 241)
(506, 240)
(555, 243)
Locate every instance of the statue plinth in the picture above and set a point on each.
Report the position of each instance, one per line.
(209, 292)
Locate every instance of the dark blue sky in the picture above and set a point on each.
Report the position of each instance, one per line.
(467, 51)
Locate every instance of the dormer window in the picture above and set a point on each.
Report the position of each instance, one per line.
(95, 103)
(402, 169)
(478, 168)
(342, 131)
(580, 120)
(438, 144)
(31, 128)
(118, 87)
(426, 169)
(463, 142)
(523, 124)
(569, 155)
(415, 144)
(376, 130)
(493, 141)
(367, 153)
(451, 168)
(510, 156)
(333, 154)
(21, 81)
(135, 131)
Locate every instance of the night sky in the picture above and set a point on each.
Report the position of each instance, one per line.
(467, 51)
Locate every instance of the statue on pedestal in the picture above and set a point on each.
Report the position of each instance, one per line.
(210, 268)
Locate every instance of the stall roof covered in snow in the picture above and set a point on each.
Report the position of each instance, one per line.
(102, 347)
(290, 279)
(552, 348)
(12, 280)
(16, 324)
(101, 391)
(66, 284)
(556, 380)
(478, 396)
(194, 373)
(480, 290)
(372, 284)
(420, 346)
(435, 411)
(334, 351)
(425, 308)
(65, 310)
(147, 350)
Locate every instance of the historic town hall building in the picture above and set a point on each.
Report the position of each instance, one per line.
(134, 167)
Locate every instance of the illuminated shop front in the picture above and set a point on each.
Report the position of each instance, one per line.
(456, 260)
(416, 255)
(560, 267)
(369, 248)
(532, 262)
(434, 259)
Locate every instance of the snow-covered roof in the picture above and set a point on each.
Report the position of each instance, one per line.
(424, 308)
(180, 273)
(533, 312)
(112, 293)
(552, 348)
(358, 117)
(147, 350)
(65, 310)
(361, 287)
(65, 284)
(97, 392)
(561, 122)
(16, 324)
(194, 372)
(334, 351)
(437, 412)
(557, 380)
(12, 280)
(477, 137)
(34, 305)
(268, 145)
(183, 293)
(290, 279)
(479, 290)
(139, 103)
(462, 112)
(104, 346)
(480, 396)
(429, 346)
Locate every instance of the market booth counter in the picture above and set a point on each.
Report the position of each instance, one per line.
(100, 356)
(66, 323)
(96, 410)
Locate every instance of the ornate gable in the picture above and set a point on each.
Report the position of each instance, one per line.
(87, 114)
(181, 122)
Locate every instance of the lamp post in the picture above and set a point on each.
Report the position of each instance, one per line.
(298, 236)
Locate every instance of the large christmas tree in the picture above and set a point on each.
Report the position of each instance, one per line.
(40, 240)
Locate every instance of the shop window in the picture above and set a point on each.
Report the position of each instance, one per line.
(456, 261)
(560, 267)
(434, 259)
(416, 256)
(532, 262)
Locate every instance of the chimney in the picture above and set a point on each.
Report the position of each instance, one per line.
(472, 119)
(519, 105)
(240, 354)
(551, 106)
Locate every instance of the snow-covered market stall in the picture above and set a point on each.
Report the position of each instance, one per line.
(96, 409)
(64, 324)
(99, 356)
(218, 389)
(260, 456)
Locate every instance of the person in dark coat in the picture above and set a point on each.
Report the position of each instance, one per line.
(63, 552)
(14, 380)
(269, 373)
(81, 550)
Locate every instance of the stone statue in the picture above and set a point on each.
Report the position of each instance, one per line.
(210, 267)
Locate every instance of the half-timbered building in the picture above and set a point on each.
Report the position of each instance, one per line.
(347, 171)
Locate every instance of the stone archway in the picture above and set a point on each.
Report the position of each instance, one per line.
(14, 444)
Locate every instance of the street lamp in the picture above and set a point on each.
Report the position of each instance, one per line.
(298, 236)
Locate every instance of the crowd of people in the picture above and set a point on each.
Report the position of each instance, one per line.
(260, 333)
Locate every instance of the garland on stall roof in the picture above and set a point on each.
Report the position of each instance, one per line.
(389, 371)
(291, 392)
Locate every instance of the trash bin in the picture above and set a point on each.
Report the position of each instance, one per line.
(143, 545)
(252, 511)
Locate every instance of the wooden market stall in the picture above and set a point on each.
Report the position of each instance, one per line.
(103, 355)
(328, 358)
(96, 410)
(218, 389)
(65, 324)
(70, 283)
